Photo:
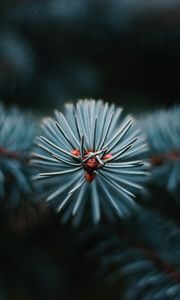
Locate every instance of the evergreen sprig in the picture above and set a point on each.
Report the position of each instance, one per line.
(17, 132)
(162, 129)
(91, 152)
(143, 253)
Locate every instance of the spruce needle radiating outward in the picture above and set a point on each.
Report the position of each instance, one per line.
(85, 154)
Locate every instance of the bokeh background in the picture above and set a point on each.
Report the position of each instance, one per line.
(125, 51)
(53, 51)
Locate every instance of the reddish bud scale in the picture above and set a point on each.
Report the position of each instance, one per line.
(107, 156)
(91, 165)
(3, 150)
(14, 155)
(158, 160)
(75, 152)
(175, 155)
(90, 176)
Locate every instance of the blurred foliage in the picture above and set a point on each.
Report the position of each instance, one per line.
(52, 51)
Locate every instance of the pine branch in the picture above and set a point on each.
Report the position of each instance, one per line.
(144, 254)
(162, 129)
(16, 142)
(93, 153)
